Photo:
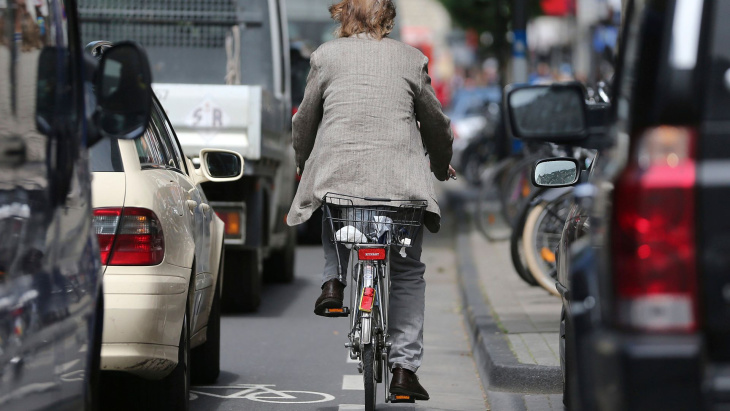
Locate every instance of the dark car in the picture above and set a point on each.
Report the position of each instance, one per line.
(50, 285)
(647, 292)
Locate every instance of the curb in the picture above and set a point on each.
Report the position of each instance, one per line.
(497, 364)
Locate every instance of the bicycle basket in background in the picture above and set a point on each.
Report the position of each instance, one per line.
(357, 220)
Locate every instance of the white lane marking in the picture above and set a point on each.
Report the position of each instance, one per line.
(77, 375)
(263, 393)
(352, 382)
(26, 390)
(350, 360)
(67, 366)
(347, 407)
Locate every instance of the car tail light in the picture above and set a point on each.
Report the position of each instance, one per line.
(232, 220)
(371, 254)
(653, 233)
(138, 240)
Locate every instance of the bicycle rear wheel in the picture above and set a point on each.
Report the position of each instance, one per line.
(368, 365)
(541, 236)
(517, 247)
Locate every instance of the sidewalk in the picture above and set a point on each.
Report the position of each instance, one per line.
(529, 316)
(513, 327)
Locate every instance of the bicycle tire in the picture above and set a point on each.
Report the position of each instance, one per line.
(539, 272)
(368, 363)
(516, 248)
(489, 193)
(517, 174)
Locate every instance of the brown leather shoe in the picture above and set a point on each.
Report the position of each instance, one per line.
(405, 382)
(331, 297)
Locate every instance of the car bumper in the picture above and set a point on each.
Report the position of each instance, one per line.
(647, 372)
(150, 361)
(143, 315)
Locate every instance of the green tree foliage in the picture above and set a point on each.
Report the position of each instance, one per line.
(494, 16)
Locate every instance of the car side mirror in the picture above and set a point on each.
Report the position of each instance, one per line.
(220, 165)
(548, 113)
(123, 92)
(556, 172)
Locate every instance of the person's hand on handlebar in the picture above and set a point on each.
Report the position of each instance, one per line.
(452, 173)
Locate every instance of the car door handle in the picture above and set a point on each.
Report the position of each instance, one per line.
(192, 205)
(205, 207)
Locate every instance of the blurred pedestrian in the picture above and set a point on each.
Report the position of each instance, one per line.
(356, 133)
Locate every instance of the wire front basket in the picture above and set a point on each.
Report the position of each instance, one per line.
(358, 220)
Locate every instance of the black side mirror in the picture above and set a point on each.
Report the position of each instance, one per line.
(556, 172)
(123, 91)
(221, 165)
(555, 113)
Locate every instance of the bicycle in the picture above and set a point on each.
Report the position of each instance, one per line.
(372, 232)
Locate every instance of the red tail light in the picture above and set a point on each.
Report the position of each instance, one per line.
(371, 254)
(138, 241)
(653, 233)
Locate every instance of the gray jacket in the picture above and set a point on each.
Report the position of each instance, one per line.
(356, 131)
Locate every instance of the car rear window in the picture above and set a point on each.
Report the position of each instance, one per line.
(104, 156)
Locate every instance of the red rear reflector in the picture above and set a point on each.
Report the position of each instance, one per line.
(138, 240)
(366, 302)
(654, 234)
(371, 254)
(232, 220)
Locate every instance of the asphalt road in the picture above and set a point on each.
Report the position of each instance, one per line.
(286, 358)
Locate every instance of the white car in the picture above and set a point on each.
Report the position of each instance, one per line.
(161, 246)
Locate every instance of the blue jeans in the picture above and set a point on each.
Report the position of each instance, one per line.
(407, 297)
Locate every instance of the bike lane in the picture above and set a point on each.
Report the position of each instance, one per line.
(286, 358)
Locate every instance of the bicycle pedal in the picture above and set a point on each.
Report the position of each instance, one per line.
(337, 312)
(401, 399)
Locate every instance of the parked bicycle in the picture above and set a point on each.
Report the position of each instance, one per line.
(372, 232)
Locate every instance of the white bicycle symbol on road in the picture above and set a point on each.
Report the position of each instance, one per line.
(264, 393)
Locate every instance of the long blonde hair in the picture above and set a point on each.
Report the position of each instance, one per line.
(375, 18)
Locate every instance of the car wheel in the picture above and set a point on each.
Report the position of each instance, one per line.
(174, 390)
(93, 385)
(565, 350)
(242, 289)
(279, 267)
(205, 359)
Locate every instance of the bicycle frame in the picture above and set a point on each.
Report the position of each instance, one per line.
(363, 330)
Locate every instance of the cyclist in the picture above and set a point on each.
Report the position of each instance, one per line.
(357, 132)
